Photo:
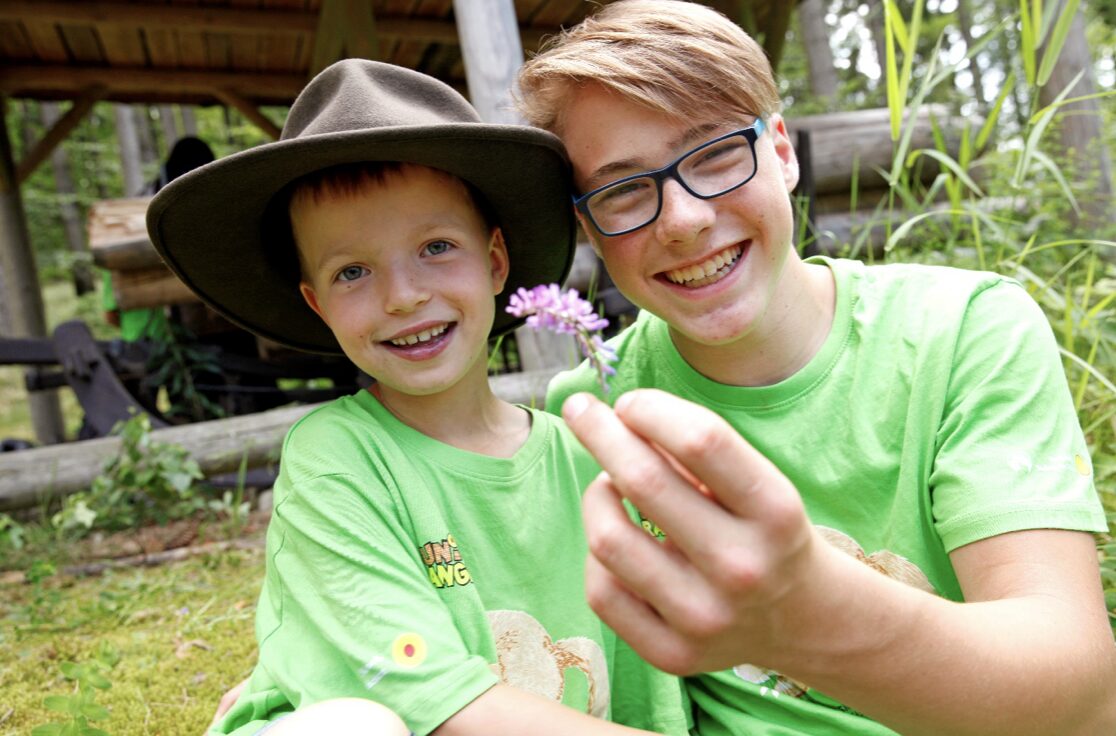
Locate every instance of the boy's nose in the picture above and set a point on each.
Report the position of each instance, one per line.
(682, 216)
(404, 292)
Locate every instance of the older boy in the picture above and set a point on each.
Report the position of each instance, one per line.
(425, 549)
(913, 419)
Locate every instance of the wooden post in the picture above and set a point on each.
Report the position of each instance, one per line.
(67, 206)
(129, 150)
(21, 279)
(493, 53)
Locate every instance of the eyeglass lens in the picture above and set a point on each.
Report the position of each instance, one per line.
(707, 171)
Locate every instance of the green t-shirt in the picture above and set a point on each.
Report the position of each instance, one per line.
(135, 324)
(935, 414)
(418, 575)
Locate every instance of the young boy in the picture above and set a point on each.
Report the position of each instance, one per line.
(909, 421)
(425, 549)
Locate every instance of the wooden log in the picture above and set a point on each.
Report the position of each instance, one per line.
(127, 254)
(150, 287)
(31, 477)
(860, 140)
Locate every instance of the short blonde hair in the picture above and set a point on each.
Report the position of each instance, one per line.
(676, 57)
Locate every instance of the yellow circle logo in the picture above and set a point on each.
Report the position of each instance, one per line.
(1082, 465)
(409, 650)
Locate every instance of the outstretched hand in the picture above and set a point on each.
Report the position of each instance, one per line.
(725, 586)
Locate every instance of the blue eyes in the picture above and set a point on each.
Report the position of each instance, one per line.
(433, 248)
(437, 248)
(351, 273)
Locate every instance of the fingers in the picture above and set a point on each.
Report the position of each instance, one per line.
(741, 478)
(699, 526)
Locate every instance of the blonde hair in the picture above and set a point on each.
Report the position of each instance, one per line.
(676, 57)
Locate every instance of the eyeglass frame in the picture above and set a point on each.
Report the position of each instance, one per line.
(751, 133)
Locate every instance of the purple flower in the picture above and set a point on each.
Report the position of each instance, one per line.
(547, 307)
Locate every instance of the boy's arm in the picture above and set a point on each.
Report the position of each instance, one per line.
(506, 709)
(746, 578)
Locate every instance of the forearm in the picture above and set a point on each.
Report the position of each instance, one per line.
(506, 709)
(924, 665)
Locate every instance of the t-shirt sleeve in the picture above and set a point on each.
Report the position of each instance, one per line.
(354, 612)
(1010, 452)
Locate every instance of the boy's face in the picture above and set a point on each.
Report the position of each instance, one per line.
(741, 238)
(404, 273)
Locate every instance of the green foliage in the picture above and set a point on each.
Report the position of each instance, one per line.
(149, 481)
(11, 533)
(81, 706)
(174, 364)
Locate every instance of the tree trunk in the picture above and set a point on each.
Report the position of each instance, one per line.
(1081, 141)
(67, 206)
(189, 122)
(877, 29)
(22, 295)
(128, 141)
(170, 125)
(145, 134)
(493, 53)
(819, 55)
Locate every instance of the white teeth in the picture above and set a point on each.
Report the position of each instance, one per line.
(418, 337)
(705, 271)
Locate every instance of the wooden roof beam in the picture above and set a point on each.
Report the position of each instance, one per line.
(250, 111)
(224, 19)
(346, 28)
(58, 132)
(72, 79)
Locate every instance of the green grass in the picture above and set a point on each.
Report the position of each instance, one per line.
(184, 632)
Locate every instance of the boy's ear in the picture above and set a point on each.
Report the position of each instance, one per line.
(498, 258)
(784, 151)
(311, 298)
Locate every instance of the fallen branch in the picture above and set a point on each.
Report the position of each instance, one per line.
(160, 558)
(43, 474)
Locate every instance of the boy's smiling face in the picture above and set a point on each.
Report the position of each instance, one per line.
(404, 272)
(656, 267)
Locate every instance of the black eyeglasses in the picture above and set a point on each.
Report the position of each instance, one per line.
(708, 171)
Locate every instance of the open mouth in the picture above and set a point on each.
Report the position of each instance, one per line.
(709, 271)
(417, 338)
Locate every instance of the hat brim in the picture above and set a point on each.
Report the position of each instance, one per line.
(210, 224)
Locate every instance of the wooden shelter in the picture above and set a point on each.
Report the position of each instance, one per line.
(250, 54)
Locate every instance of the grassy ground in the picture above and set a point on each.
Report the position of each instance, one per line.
(184, 633)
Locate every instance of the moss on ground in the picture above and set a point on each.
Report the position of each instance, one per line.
(184, 632)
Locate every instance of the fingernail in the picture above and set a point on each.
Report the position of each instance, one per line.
(574, 406)
(622, 402)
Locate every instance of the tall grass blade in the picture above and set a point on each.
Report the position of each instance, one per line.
(994, 113)
(1057, 40)
(947, 161)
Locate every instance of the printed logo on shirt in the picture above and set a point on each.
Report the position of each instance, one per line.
(1025, 464)
(528, 658)
(443, 563)
(773, 684)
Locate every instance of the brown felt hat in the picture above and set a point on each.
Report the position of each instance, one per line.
(220, 229)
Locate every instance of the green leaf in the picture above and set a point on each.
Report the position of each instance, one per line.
(948, 163)
(107, 654)
(1028, 40)
(72, 670)
(97, 680)
(994, 113)
(48, 729)
(1057, 40)
(57, 703)
(94, 712)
